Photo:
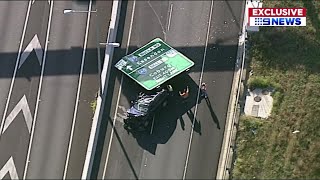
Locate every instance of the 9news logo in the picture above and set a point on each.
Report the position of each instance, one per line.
(277, 17)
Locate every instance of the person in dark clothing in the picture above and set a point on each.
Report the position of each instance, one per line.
(203, 89)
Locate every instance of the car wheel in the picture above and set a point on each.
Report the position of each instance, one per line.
(165, 103)
(141, 128)
(169, 87)
(146, 123)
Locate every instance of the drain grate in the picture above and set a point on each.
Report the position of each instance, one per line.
(255, 110)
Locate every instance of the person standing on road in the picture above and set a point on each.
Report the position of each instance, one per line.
(203, 89)
(185, 93)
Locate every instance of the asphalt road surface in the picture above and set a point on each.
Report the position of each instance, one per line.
(185, 140)
(46, 96)
(12, 23)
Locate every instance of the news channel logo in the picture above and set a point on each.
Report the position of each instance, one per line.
(277, 16)
(278, 21)
(268, 21)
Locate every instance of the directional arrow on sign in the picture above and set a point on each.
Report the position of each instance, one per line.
(10, 168)
(33, 45)
(21, 106)
(129, 67)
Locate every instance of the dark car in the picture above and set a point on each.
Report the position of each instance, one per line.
(143, 109)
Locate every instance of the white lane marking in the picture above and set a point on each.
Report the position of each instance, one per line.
(33, 45)
(152, 124)
(112, 130)
(159, 20)
(21, 106)
(35, 0)
(78, 91)
(10, 168)
(170, 15)
(39, 92)
(200, 80)
(119, 94)
(16, 66)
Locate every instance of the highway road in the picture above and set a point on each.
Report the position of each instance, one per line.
(185, 141)
(48, 80)
(12, 23)
(10, 32)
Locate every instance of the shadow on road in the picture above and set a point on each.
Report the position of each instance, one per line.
(71, 60)
(166, 121)
(214, 116)
(194, 121)
(124, 151)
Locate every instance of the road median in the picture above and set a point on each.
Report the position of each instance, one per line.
(105, 73)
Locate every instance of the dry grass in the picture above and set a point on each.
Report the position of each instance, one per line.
(290, 58)
(93, 105)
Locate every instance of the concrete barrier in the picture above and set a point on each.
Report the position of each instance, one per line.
(228, 149)
(226, 155)
(105, 73)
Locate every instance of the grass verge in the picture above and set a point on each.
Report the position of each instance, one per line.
(288, 57)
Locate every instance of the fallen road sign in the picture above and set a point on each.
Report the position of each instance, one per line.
(153, 64)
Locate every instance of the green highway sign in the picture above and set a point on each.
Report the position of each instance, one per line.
(154, 64)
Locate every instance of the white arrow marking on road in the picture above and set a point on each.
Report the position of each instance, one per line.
(33, 45)
(10, 168)
(22, 105)
(35, 0)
